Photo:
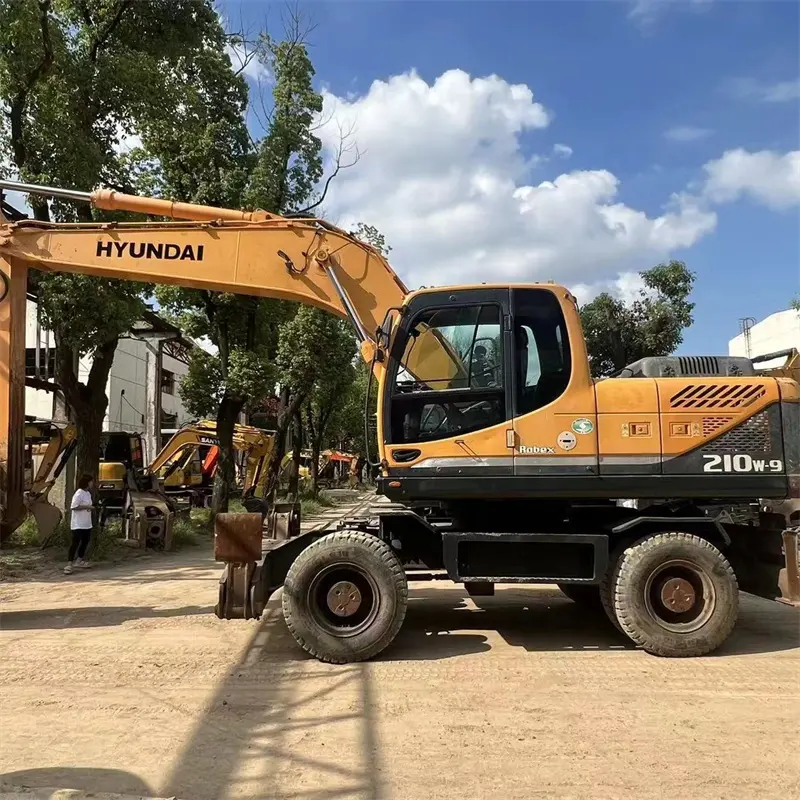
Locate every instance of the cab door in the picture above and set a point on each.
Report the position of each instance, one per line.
(447, 402)
(554, 405)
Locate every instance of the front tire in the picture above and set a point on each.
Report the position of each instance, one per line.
(675, 595)
(345, 597)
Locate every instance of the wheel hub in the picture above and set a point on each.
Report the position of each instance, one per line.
(344, 598)
(678, 595)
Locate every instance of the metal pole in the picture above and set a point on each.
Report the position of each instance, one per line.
(47, 191)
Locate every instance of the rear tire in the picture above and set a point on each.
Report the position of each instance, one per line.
(345, 597)
(675, 595)
(585, 595)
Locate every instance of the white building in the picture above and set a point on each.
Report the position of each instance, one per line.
(779, 331)
(142, 387)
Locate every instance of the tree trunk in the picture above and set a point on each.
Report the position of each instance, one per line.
(294, 480)
(88, 402)
(228, 413)
(316, 446)
(289, 405)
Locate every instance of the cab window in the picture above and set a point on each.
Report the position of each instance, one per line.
(542, 354)
(450, 380)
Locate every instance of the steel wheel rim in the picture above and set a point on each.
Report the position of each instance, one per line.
(358, 614)
(674, 582)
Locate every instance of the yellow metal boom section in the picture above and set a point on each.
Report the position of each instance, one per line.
(305, 260)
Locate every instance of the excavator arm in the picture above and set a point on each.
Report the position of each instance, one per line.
(305, 260)
(59, 441)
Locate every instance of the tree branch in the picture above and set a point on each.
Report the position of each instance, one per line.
(102, 362)
(87, 17)
(102, 37)
(341, 150)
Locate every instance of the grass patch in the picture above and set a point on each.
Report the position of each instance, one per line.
(27, 535)
(191, 529)
(311, 506)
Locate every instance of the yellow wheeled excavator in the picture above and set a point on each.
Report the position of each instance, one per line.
(502, 458)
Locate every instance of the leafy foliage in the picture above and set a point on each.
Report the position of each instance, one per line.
(106, 311)
(210, 158)
(76, 76)
(618, 333)
(289, 158)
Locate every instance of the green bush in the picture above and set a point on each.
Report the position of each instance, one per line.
(190, 529)
(27, 535)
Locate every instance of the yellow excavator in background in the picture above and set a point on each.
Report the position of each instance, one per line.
(503, 458)
(149, 502)
(48, 447)
(183, 451)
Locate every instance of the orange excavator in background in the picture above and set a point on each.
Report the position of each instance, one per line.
(504, 460)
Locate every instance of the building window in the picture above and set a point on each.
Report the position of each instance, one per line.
(167, 381)
(47, 363)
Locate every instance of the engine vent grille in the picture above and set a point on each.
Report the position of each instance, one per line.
(751, 436)
(712, 424)
(698, 365)
(703, 395)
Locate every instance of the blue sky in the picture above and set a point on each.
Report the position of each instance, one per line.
(648, 92)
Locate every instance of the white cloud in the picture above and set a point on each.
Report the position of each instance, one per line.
(627, 286)
(687, 133)
(245, 62)
(562, 150)
(767, 177)
(751, 89)
(443, 177)
(645, 12)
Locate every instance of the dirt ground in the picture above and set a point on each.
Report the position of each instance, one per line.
(122, 680)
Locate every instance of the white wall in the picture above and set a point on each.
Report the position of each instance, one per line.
(128, 373)
(38, 403)
(172, 403)
(778, 331)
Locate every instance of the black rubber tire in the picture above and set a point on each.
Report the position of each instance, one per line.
(586, 595)
(607, 589)
(381, 563)
(629, 580)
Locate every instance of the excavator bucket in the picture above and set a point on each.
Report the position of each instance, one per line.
(47, 517)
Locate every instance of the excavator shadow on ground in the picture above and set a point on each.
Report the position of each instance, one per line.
(442, 623)
(279, 719)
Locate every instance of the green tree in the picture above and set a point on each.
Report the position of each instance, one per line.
(334, 376)
(279, 174)
(618, 333)
(74, 76)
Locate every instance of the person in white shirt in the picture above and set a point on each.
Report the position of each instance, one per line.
(81, 523)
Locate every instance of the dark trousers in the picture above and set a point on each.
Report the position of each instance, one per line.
(80, 541)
